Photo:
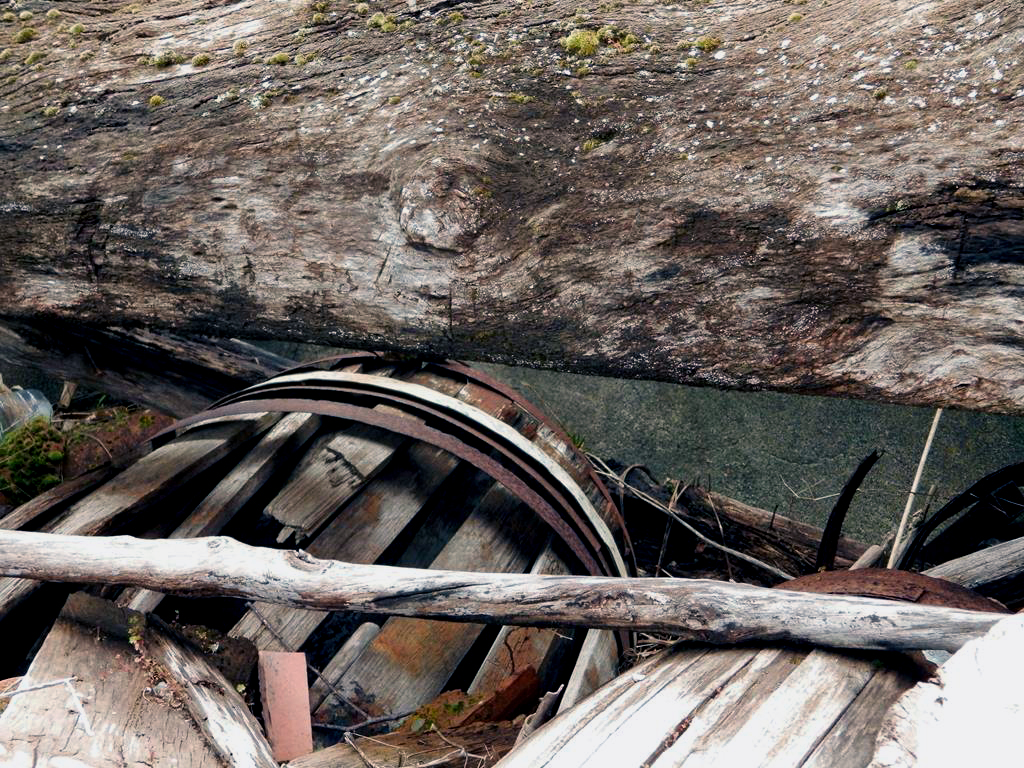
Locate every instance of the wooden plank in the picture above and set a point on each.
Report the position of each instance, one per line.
(597, 663)
(50, 502)
(334, 469)
(236, 489)
(324, 684)
(147, 482)
(1002, 562)
(517, 647)
(851, 741)
(969, 713)
(133, 697)
(409, 662)
(782, 729)
(360, 533)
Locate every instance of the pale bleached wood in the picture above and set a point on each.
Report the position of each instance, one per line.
(699, 609)
(408, 663)
(234, 491)
(986, 566)
(970, 713)
(148, 481)
(359, 533)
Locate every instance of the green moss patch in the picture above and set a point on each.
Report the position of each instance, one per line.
(30, 461)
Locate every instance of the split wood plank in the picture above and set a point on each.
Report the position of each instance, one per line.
(236, 489)
(339, 664)
(698, 609)
(116, 711)
(989, 566)
(152, 479)
(361, 532)
(517, 647)
(409, 661)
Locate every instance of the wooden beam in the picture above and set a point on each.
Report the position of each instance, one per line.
(701, 610)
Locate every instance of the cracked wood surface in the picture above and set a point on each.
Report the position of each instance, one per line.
(830, 204)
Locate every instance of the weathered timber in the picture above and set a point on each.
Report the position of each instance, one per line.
(153, 479)
(176, 375)
(997, 570)
(831, 204)
(969, 713)
(698, 609)
(132, 691)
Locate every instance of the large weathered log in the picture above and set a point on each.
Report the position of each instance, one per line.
(702, 610)
(726, 193)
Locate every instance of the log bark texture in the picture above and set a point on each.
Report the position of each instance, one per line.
(827, 200)
(696, 609)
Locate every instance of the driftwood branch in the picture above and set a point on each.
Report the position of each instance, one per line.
(700, 610)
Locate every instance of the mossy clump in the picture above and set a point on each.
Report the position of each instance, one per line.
(707, 43)
(392, 100)
(361, 8)
(278, 59)
(26, 15)
(239, 48)
(318, 18)
(795, 17)
(591, 144)
(455, 17)
(8, 17)
(25, 35)
(51, 111)
(321, 6)
(200, 60)
(166, 59)
(910, 65)
(76, 30)
(385, 22)
(520, 98)
(34, 57)
(5, 54)
(53, 14)
(30, 460)
(880, 94)
(581, 42)
(156, 100)
(691, 63)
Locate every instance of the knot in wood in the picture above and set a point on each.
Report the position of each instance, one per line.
(441, 204)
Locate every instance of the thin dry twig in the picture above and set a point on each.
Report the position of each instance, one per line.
(721, 531)
(605, 471)
(362, 755)
(898, 544)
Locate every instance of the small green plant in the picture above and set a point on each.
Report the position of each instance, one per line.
(76, 30)
(200, 60)
(166, 59)
(707, 43)
(8, 17)
(52, 14)
(520, 98)
(30, 460)
(591, 144)
(392, 100)
(795, 17)
(302, 59)
(361, 8)
(5, 54)
(25, 35)
(239, 48)
(321, 6)
(51, 111)
(880, 94)
(318, 18)
(581, 42)
(25, 15)
(691, 63)
(455, 17)
(385, 22)
(34, 57)
(654, 49)
(278, 59)
(911, 64)
(156, 100)
(582, 71)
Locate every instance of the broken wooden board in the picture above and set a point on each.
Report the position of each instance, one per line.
(239, 485)
(132, 693)
(149, 481)
(409, 661)
(970, 713)
(696, 707)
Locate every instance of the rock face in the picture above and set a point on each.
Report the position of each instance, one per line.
(820, 197)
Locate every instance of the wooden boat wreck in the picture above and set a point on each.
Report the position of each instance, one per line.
(418, 465)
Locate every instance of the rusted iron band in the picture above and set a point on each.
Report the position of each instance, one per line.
(410, 428)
